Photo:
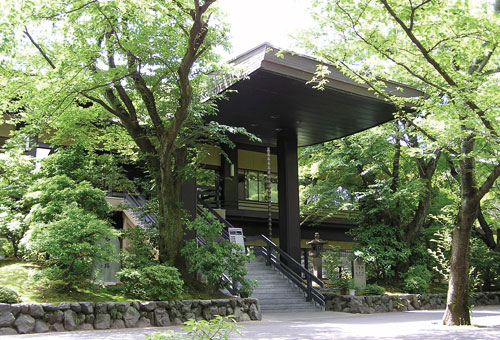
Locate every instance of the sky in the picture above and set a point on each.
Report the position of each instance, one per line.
(256, 21)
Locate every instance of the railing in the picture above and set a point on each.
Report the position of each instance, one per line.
(137, 203)
(292, 270)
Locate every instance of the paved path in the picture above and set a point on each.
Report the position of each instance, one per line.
(416, 325)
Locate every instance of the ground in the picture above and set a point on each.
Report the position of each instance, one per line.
(15, 274)
(416, 325)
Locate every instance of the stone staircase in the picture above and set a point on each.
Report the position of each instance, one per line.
(275, 292)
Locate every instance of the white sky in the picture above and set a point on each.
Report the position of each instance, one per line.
(256, 21)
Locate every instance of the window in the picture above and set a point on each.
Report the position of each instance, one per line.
(252, 186)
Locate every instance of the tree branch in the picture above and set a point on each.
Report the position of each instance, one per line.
(38, 47)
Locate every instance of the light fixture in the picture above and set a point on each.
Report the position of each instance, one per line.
(231, 170)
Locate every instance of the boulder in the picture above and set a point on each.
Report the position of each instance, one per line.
(86, 327)
(57, 327)
(254, 313)
(131, 317)
(147, 306)
(41, 326)
(161, 317)
(70, 320)
(102, 321)
(76, 307)
(144, 322)
(6, 319)
(24, 324)
(7, 331)
(117, 324)
(36, 311)
(87, 307)
(55, 316)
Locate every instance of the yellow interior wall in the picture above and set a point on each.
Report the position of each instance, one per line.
(252, 160)
(212, 157)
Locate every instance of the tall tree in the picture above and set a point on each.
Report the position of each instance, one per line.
(449, 50)
(118, 74)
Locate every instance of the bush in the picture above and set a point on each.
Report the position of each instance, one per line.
(417, 280)
(374, 289)
(140, 251)
(8, 295)
(157, 282)
(69, 247)
(217, 256)
(218, 328)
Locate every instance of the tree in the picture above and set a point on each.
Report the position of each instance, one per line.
(448, 50)
(119, 75)
(16, 177)
(385, 178)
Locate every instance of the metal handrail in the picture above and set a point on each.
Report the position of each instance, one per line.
(137, 203)
(292, 275)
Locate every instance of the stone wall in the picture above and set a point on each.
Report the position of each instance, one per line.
(395, 303)
(40, 318)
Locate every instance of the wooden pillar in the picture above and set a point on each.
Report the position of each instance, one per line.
(230, 179)
(189, 201)
(288, 194)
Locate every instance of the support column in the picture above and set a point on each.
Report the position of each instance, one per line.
(189, 202)
(230, 179)
(288, 194)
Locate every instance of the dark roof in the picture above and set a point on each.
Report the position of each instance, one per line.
(275, 96)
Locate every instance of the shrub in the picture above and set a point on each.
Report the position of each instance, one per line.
(218, 328)
(157, 282)
(217, 256)
(8, 295)
(140, 251)
(70, 246)
(374, 289)
(417, 280)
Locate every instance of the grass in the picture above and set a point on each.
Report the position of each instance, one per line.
(16, 274)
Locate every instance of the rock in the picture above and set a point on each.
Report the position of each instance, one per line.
(6, 319)
(147, 306)
(222, 311)
(15, 309)
(130, 317)
(177, 321)
(36, 311)
(189, 316)
(244, 317)
(49, 307)
(57, 327)
(86, 327)
(55, 316)
(102, 321)
(122, 306)
(7, 331)
(117, 324)
(205, 303)
(110, 306)
(90, 318)
(70, 320)
(64, 306)
(24, 324)
(87, 307)
(101, 308)
(76, 307)
(4, 307)
(161, 317)
(41, 326)
(254, 313)
(144, 322)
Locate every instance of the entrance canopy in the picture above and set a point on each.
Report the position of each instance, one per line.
(275, 97)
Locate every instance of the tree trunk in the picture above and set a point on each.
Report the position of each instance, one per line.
(457, 308)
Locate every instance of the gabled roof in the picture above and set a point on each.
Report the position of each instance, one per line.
(276, 97)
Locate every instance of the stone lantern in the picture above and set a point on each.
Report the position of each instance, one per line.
(316, 253)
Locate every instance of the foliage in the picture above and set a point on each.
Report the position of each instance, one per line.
(374, 289)
(8, 295)
(103, 171)
(16, 177)
(154, 282)
(130, 76)
(140, 251)
(331, 262)
(448, 50)
(70, 245)
(417, 280)
(485, 266)
(218, 328)
(217, 256)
